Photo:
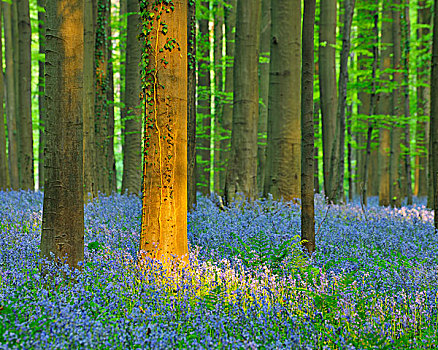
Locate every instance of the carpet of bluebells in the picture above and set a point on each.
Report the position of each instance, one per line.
(372, 283)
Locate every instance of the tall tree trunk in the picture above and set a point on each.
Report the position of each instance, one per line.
(434, 117)
(227, 111)
(101, 107)
(385, 107)
(11, 104)
(41, 110)
(164, 187)
(3, 157)
(191, 105)
(131, 181)
(327, 85)
(307, 130)
(342, 96)
(316, 109)
(63, 206)
(25, 141)
(349, 152)
(89, 142)
(265, 42)
(398, 110)
(242, 166)
(423, 101)
(203, 128)
(283, 168)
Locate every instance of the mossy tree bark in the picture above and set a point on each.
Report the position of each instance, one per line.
(63, 206)
(3, 157)
(131, 181)
(283, 169)
(41, 110)
(164, 187)
(242, 166)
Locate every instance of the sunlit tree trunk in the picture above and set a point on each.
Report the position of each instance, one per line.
(41, 111)
(283, 169)
(11, 104)
(3, 157)
(63, 206)
(227, 111)
(242, 166)
(191, 105)
(307, 129)
(265, 46)
(398, 111)
(131, 181)
(89, 143)
(164, 187)
(327, 85)
(384, 106)
(24, 121)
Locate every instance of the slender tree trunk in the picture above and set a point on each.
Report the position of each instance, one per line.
(385, 107)
(307, 130)
(316, 156)
(110, 102)
(349, 152)
(204, 106)
(327, 85)
(191, 105)
(89, 142)
(3, 157)
(131, 181)
(25, 144)
(11, 104)
(227, 111)
(41, 110)
(394, 162)
(265, 31)
(63, 207)
(434, 117)
(164, 186)
(342, 96)
(423, 101)
(242, 166)
(283, 168)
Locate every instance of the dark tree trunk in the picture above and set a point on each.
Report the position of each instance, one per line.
(41, 110)
(3, 158)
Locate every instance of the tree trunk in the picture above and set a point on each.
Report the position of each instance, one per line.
(423, 101)
(283, 168)
(25, 141)
(63, 207)
(398, 110)
(227, 111)
(327, 85)
(41, 110)
(203, 128)
(385, 107)
(262, 128)
(131, 181)
(242, 166)
(164, 187)
(191, 106)
(101, 111)
(307, 130)
(89, 142)
(434, 117)
(342, 96)
(3, 157)
(316, 109)
(11, 104)
(349, 152)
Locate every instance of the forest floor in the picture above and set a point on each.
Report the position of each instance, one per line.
(372, 283)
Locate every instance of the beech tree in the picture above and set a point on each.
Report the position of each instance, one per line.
(433, 166)
(164, 76)
(63, 206)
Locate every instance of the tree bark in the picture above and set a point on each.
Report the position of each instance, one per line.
(25, 140)
(434, 117)
(191, 106)
(283, 169)
(242, 166)
(327, 85)
(307, 130)
(265, 41)
(41, 110)
(164, 187)
(11, 103)
(63, 206)
(3, 157)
